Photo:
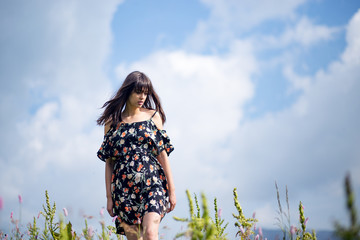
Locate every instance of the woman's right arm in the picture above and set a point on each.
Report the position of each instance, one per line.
(109, 167)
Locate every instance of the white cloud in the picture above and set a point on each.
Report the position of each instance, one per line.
(61, 49)
(297, 82)
(203, 97)
(54, 83)
(230, 18)
(311, 145)
(305, 33)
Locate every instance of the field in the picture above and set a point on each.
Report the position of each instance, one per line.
(200, 225)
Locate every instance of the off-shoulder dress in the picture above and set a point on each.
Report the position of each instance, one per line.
(138, 182)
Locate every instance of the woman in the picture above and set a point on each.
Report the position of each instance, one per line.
(139, 183)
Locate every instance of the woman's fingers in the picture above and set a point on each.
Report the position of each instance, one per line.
(109, 207)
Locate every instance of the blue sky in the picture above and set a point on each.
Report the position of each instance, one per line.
(255, 92)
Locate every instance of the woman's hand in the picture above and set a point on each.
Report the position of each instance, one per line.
(172, 200)
(109, 207)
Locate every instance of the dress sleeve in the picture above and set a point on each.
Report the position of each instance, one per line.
(163, 142)
(106, 148)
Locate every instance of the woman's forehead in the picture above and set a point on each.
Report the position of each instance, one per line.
(141, 88)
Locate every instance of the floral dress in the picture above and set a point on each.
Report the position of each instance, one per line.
(138, 182)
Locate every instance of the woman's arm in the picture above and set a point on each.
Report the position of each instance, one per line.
(165, 164)
(109, 167)
(164, 161)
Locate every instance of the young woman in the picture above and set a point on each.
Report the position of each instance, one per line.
(139, 183)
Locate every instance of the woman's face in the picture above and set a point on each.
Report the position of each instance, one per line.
(137, 98)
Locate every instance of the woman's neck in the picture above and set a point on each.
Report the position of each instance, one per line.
(131, 111)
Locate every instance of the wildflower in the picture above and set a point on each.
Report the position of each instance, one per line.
(219, 213)
(114, 218)
(257, 237)
(307, 219)
(65, 212)
(102, 212)
(1, 203)
(253, 216)
(242, 230)
(292, 230)
(20, 199)
(90, 231)
(260, 232)
(11, 215)
(39, 215)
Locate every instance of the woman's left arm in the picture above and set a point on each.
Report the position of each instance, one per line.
(165, 164)
(164, 161)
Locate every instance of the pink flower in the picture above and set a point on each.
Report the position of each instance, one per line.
(102, 212)
(11, 215)
(20, 199)
(219, 213)
(65, 212)
(307, 219)
(260, 232)
(257, 237)
(242, 230)
(39, 215)
(90, 231)
(292, 230)
(254, 215)
(1, 203)
(114, 218)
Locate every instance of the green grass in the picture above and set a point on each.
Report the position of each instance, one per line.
(200, 225)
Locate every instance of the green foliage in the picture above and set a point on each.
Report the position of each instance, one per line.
(289, 231)
(220, 231)
(353, 231)
(303, 234)
(50, 227)
(62, 230)
(199, 227)
(66, 232)
(33, 230)
(244, 224)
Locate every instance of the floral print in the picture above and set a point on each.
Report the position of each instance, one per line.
(138, 182)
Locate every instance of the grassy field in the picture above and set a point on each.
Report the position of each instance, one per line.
(200, 225)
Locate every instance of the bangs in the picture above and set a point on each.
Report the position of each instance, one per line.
(142, 86)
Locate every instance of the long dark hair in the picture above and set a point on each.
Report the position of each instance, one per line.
(138, 82)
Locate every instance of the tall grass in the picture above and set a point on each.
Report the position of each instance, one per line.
(200, 225)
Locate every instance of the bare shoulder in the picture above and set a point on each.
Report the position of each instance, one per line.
(157, 120)
(149, 112)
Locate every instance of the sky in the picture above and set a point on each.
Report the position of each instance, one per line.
(255, 92)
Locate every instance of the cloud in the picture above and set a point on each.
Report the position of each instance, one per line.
(229, 19)
(308, 146)
(52, 69)
(311, 145)
(305, 33)
(200, 94)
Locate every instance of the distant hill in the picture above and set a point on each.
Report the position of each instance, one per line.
(272, 234)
